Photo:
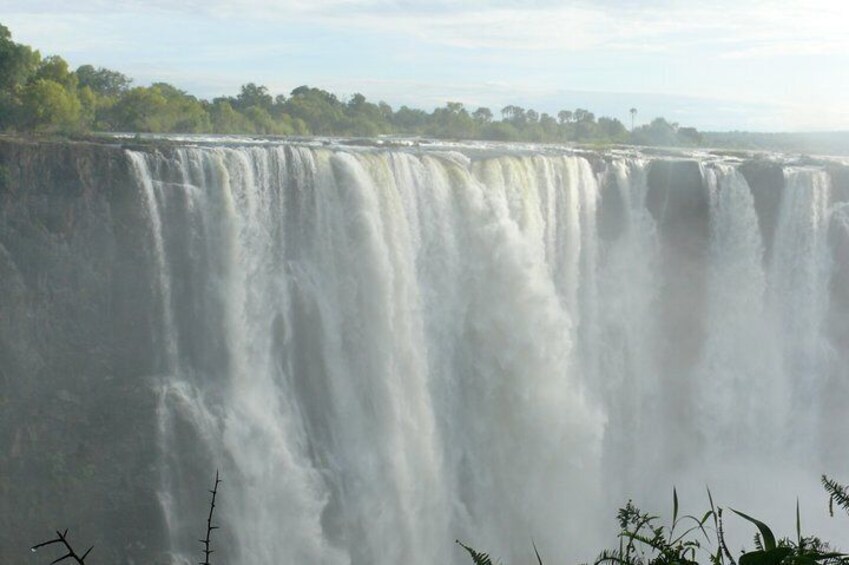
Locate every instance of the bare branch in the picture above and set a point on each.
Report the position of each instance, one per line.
(62, 537)
(209, 527)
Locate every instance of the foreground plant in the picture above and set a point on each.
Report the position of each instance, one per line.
(209, 527)
(643, 540)
(62, 537)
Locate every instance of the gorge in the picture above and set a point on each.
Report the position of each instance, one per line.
(387, 347)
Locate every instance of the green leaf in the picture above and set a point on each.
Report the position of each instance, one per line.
(766, 533)
(477, 557)
(769, 557)
(536, 552)
(674, 506)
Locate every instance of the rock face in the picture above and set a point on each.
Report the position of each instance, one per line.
(387, 348)
(76, 448)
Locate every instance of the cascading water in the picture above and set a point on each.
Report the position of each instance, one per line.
(387, 350)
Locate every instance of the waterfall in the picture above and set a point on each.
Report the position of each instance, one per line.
(385, 350)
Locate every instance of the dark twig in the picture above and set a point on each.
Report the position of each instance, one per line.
(720, 534)
(62, 537)
(209, 526)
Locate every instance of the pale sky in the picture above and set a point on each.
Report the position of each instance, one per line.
(745, 64)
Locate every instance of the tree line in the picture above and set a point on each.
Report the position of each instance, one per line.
(43, 94)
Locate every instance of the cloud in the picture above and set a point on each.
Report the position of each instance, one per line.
(423, 53)
(753, 28)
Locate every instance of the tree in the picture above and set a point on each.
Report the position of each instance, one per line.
(385, 110)
(49, 105)
(138, 108)
(357, 101)
(55, 68)
(320, 110)
(658, 132)
(253, 95)
(410, 120)
(515, 115)
(263, 122)
(500, 131)
(455, 108)
(88, 106)
(612, 129)
(581, 115)
(565, 116)
(38, 93)
(18, 63)
(452, 121)
(690, 136)
(482, 115)
(103, 81)
(227, 120)
(549, 126)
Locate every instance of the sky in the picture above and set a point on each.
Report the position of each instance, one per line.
(776, 65)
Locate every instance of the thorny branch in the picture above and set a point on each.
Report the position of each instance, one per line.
(62, 537)
(209, 526)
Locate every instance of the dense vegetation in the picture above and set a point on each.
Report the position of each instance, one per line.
(43, 94)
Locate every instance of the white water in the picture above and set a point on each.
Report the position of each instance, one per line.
(384, 351)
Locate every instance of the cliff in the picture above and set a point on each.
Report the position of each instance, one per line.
(76, 448)
(387, 348)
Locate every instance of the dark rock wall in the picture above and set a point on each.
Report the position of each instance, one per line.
(678, 200)
(77, 409)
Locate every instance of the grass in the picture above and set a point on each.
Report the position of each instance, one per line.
(696, 540)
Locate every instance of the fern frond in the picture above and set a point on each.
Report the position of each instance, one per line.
(478, 557)
(836, 493)
(757, 542)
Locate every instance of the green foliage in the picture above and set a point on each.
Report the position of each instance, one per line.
(262, 121)
(320, 110)
(667, 134)
(644, 540)
(410, 119)
(766, 533)
(452, 121)
(45, 95)
(55, 68)
(159, 108)
(18, 63)
(88, 106)
(139, 110)
(47, 105)
(227, 120)
(477, 557)
(482, 115)
(836, 493)
(251, 96)
(103, 82)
